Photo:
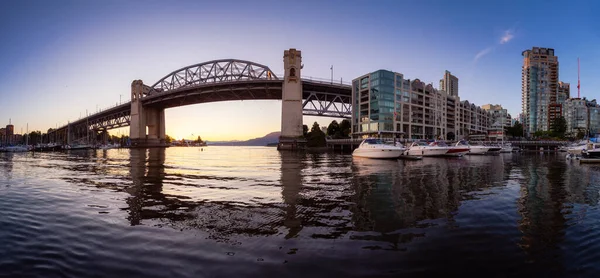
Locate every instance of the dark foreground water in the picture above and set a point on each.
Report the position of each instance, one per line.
(256, 212)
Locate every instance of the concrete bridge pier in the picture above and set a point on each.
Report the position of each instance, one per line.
(291, 137)
(147, 128)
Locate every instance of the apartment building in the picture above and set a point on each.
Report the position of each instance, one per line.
(582, 115)
(499, 120)
(385, 102)
(539, 89)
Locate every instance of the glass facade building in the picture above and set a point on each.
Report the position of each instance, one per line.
(384, 102)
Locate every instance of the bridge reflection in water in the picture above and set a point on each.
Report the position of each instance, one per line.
(369, 195)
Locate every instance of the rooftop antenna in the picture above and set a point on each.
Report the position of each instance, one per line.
(578, 84)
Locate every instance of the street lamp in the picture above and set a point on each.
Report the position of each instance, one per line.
(331, 74)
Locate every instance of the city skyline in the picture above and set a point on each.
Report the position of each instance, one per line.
(68, 57)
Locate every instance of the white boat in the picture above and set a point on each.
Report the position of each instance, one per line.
(506, 148)
(452, 150)
(424, 149)
(577, 148)
(376, 148)
(15, 149)
(478, 149)
(108, 146)
(79, 147)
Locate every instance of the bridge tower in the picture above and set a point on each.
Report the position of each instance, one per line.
(147, 128)
(291, 102)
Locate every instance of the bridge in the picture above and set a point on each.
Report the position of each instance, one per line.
(212, 81)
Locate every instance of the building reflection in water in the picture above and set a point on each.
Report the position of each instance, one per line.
(6, 165)
(549, 190)
(391, 196)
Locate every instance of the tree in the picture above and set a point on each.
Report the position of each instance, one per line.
(580, 134)
(34, 137)
(168, 139)
(559, 127)
(316, 137)
(304, 130)
(516, 130)
(315, 127)
(345, 128)
(333, 129)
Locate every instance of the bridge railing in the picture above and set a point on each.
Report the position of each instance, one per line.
(324, 80)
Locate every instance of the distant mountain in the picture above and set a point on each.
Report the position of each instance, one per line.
(270, 138)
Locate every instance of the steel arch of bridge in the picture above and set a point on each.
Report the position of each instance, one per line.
(326, 105)
(212, 72)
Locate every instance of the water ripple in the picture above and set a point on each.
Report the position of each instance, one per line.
(229, 211)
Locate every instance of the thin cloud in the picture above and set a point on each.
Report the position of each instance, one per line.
(508, 35)
(482, 53)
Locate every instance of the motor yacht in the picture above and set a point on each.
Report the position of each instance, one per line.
(376, 148)
(15, 149)
(506, 148)
(423, 149)
(592, 151)
(452, 150)
(577, 148)
(478, 149)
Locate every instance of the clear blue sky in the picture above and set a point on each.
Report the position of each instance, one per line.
(59, 58)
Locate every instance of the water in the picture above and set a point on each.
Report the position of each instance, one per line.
(253, 211)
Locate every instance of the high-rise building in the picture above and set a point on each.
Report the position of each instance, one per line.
(564, 93)
(449, 84)
(10, 132)
(539, 83)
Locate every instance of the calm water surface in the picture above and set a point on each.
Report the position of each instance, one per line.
(244, 211)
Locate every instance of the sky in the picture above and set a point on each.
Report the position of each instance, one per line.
(59, 59)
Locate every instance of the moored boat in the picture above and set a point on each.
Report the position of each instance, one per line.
(376, 148)
(452, 150)
(479, 149)
(506, 148)
(591, 152)
(423, 149)
(15, 149)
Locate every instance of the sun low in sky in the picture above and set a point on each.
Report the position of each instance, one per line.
(59, 59)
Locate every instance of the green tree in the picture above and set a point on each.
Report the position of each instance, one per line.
(304, 130)
(34, 137)
(345, 128)
(316, 137)
(333, 129)
(168, 139)
(580, 134)
(559, 127)
(516, 130)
